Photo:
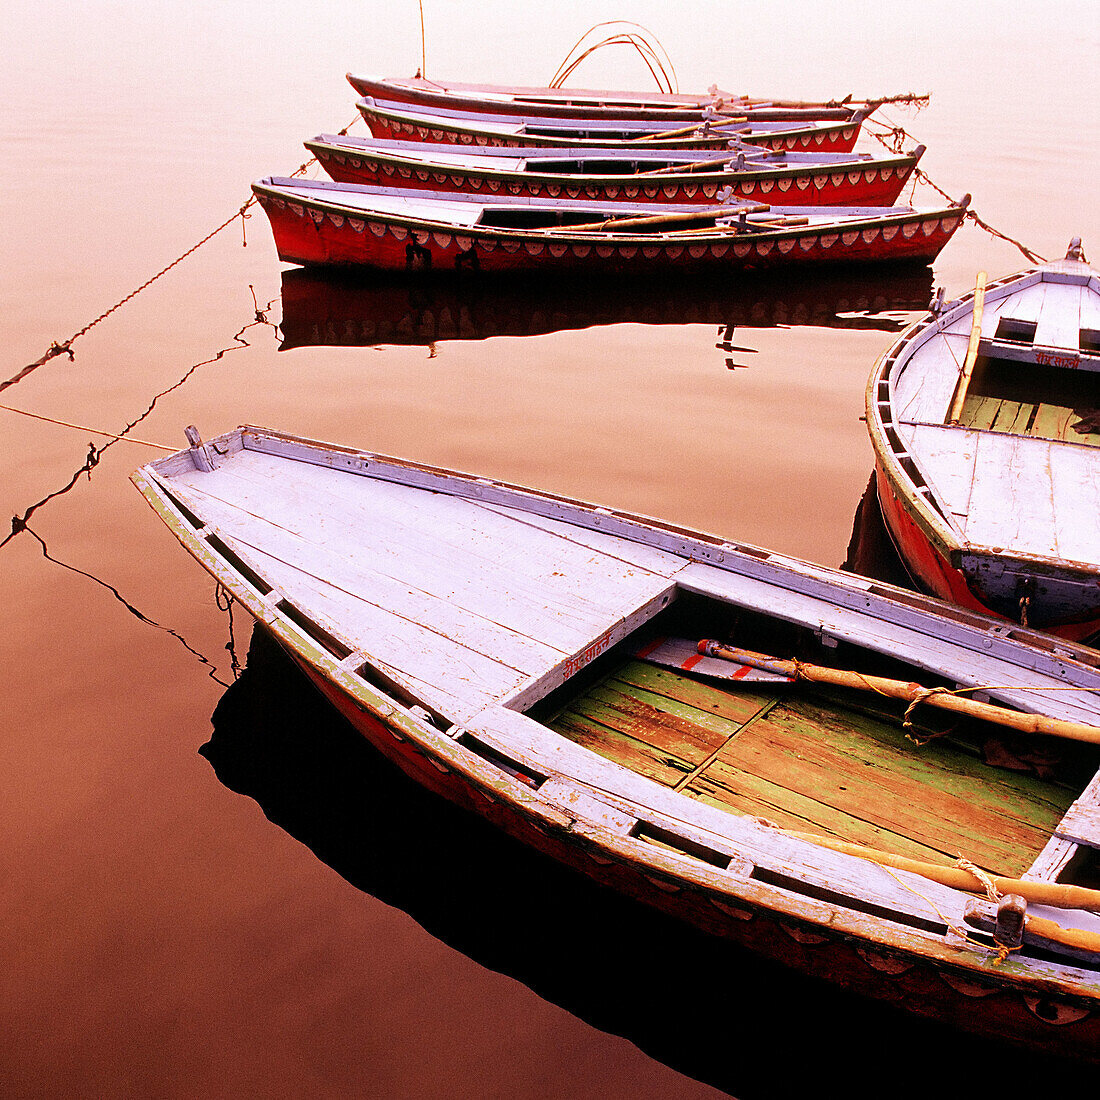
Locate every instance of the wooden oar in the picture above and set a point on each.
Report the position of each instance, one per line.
(1058, 895)
(962, 384)
(690, 129)
(779, 223)
(662, 219)
(692, 167)
(909, 693)
(757, 154)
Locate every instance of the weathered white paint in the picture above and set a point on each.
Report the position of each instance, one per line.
(995, 491)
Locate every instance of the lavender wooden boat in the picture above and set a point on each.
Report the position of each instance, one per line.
(316, 222)
(985, 419)
(683, 175)
(507, 101)
(708, 131)
(507, 648)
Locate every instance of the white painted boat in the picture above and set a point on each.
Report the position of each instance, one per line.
(505, 647)
(985, 419)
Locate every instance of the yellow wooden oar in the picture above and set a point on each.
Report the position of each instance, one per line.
(662, 219)
(694, 166)
(691, 129)
(909, 693)
(1058, 895)
(962, 385)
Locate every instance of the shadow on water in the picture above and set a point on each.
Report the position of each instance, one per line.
(327, 309)
(871, 550)
(702, 1007)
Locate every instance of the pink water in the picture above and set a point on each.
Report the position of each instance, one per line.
(161, 936)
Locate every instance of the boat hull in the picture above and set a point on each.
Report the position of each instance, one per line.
(833, 137)
(872, 185)
(973, 589)
(576, 104)
(993, 1009)
(317, 233)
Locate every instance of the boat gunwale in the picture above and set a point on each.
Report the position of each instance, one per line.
(611, 151)
(906, 608)
(270, 188)
(689, 99)
(508, 104)
(515, 126)
(901, 163)
(1070, 983)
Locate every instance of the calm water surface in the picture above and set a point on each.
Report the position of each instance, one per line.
(336, 932)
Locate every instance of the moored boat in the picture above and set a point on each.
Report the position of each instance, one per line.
(317, 222)
(510, 650)
(588, 103)
(399, 121)
(752, 172)
(985, 419)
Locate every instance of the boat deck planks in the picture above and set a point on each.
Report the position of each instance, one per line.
(1018, 497)
(443, 592)
(778, 754)
(1061, 328)
(547, 587)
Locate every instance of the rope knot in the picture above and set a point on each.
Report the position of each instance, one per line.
(986, 882)
(918, 695)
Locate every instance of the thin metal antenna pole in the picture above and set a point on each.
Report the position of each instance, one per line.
(423, 44)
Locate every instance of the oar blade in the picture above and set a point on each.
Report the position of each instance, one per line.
(684, 655)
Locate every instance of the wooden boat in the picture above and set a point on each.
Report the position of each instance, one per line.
(317, 222)
(400, 122)
(506, 907)
(585, 104)
(322, 307)
(984, 419)
(510, 649)
(685, 175)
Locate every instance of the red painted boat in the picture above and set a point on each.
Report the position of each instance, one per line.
(586, 104)
(508, 649)
(316, 222)
(676, 176)
(399, 121)
(985, 419)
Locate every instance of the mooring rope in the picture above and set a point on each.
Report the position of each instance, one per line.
(224, 599)
(893, 138)
(19, 523)
(65, 347)
(90, 431)
(141, 616)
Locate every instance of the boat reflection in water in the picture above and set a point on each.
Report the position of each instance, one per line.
(871, 551)
(330, 309)
(701, 1006)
